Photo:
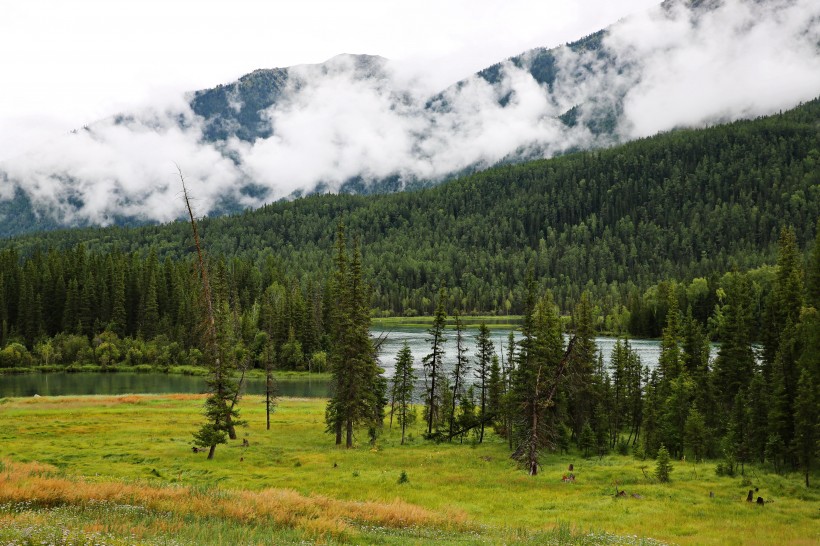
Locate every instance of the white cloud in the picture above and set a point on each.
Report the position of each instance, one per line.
(742, 59)
(673, 67)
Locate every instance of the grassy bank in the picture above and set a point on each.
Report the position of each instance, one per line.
(146, 368)
(123, 468)
(492, 321)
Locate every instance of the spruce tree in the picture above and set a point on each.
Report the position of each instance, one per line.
(696, 434)
(663, 467)
(805, 423)
(403, 385)
(340, 319)
(735, 361)
(581, 384)
(223, 391)
(459, 371)
(487, 376)
(813, 273)
(495, 394)
(433, 362)
(541, 364)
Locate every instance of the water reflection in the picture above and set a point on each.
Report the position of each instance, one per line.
(65, 384)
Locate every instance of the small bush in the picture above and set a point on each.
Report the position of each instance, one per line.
(622, 447)
(403, 477)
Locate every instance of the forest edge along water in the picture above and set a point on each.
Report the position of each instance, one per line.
(304, 386)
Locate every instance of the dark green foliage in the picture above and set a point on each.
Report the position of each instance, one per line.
(663, 468)
(586, 440)
(488, 377)
(358, 390)
(459, 371)
(537, 376)
(403, 385)
(597, 220)
(433, 366)
(805, 423)
(581, 385)
(735, 361)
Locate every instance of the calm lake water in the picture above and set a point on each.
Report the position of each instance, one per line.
(61, 384)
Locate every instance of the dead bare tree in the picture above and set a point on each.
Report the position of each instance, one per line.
(220, 416)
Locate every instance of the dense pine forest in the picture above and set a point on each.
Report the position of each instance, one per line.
(689, 236)
(677, 212)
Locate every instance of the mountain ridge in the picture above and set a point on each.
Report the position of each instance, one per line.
(349, 126)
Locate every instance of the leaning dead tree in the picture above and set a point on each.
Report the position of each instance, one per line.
(223, 392)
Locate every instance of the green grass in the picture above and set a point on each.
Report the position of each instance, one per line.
(147, 440)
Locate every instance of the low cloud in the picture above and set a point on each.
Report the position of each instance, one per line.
(670, 67)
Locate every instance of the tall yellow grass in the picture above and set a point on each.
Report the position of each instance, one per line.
(316, 515)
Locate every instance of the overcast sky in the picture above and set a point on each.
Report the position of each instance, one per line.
(66, 64)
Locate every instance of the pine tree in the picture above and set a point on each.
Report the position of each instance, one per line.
(813, 273)
(805, 423)
(696, 434)
(541, 364)
(784, 303)
(340, 319)
(433, 362)
(487, 376)
(670, 362)
(118, 316)
(495, 394)
(663, 467)
(459, 371)
(223, 391)
(582, 399)
(758, 416)
(361, 397)
(736, 360)
(404, 380)
(150, 310)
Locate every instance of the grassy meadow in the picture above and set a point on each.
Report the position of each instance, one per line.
(120, 470)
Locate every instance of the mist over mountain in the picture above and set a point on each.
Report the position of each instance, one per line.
(361, 123)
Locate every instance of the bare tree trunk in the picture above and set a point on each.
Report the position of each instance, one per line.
(404, 424)
(349, 434)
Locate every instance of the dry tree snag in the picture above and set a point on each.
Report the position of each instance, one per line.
(223, 390)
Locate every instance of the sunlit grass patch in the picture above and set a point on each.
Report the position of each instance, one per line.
(459, 493)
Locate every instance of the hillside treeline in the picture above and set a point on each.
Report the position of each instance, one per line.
(684, 205)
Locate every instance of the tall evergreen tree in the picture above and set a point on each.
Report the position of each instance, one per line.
(433, 362)
(487, 379)
(735, 361)
(806, 423)
(581, 387)
(404, 380)
(359, 390)
(541, 364)
(460, 370)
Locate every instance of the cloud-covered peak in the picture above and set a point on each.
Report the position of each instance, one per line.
(365, 120)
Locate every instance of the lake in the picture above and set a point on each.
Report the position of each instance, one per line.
(63, 384)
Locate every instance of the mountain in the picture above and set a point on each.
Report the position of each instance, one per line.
(681, 205)
(358, 124)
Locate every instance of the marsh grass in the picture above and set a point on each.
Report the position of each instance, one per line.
(63, 453)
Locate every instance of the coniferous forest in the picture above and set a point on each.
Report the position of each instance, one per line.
(690, 236)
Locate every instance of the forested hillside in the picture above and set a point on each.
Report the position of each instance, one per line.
(679, 206)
